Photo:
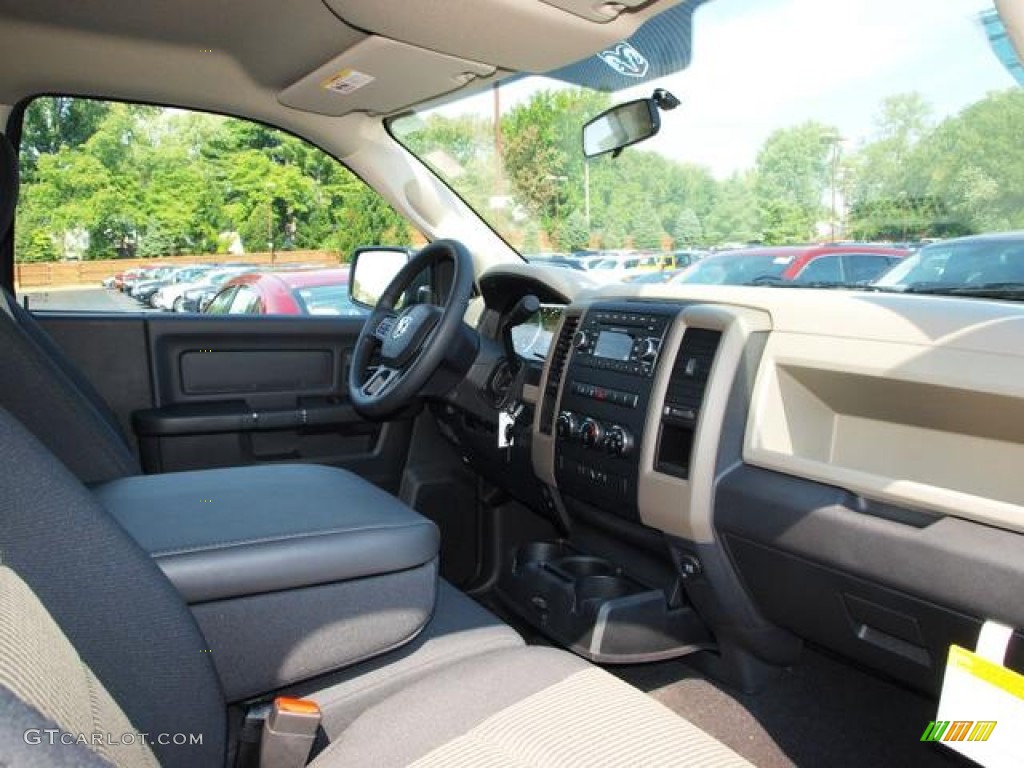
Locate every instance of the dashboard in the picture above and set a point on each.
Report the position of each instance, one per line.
(835, 463)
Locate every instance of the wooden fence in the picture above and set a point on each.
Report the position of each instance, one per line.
(58, 274)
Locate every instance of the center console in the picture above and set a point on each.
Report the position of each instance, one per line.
(605, 398)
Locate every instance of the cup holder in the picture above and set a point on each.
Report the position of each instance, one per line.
(601, 588)
(541, 552)
(581, 567)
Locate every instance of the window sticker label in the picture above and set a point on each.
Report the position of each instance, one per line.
(981, 709)
(347, 81)
(782, 260)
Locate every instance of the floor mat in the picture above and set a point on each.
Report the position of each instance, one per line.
(820, 713)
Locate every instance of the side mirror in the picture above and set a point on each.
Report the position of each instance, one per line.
(372, 270)
(620, 126)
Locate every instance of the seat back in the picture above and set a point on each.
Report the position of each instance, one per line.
(40, 386)
(119, 612)
(44, 682)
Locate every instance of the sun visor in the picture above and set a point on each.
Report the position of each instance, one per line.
(661, 46)
(380, 76)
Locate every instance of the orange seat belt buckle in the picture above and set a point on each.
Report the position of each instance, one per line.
(289, 732)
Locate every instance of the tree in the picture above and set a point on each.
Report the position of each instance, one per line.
(734, 217)
(574, 234)
(791, 176)
(889, 181)
(56, 122)
(647, 231)
(687, 229)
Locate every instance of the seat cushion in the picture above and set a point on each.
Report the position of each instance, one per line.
(523, 707)
(224, 533)
(459, 629)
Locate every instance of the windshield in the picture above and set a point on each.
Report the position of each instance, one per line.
(800, 122)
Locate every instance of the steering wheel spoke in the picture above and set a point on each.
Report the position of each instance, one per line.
(381, 377)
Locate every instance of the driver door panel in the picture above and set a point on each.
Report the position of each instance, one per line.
(228, 391)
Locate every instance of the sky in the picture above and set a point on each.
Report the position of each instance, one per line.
(760, 65)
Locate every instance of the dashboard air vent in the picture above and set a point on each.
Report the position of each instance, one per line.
(691, 369)
(559, 358)
(683, 400)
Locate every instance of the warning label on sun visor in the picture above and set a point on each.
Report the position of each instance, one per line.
(347, 81)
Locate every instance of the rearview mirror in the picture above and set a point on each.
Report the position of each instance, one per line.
(372, 270)
(621, 126)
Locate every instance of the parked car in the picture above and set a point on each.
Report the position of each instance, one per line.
(555, 260)
(306, 292)
(965, 263)
(196, 298)
(806, 264)
(618, 266)
(144, 290)
(653, 277)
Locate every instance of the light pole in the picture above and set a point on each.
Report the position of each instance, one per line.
(834, 142)
(558, 202)
(586, 190)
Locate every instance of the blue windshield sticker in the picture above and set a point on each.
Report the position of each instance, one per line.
(659, 47)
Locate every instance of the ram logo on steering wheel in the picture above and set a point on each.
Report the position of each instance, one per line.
(402, 327)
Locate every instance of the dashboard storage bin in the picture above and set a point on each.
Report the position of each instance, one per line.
(590, 606)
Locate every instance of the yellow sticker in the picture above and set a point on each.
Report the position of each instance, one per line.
(347, 81)
(990, 672)
(981, 710)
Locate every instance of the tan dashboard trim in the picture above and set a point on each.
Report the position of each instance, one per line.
(680, 507)
(930, 427)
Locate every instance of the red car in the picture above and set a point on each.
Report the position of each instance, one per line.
(809, 264)
(300, 292)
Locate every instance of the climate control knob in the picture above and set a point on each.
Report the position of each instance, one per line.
(580, 340)
(592, 433)
(567, 425)
(619, 441)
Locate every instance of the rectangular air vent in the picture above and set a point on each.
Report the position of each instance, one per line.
(559, 358)
(684, 398)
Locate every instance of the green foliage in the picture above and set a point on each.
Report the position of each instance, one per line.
(920, 179)
(686, 229)
(647, 232)
(142, 180)
(791, 175)
(574, 234)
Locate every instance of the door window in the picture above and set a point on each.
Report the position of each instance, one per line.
(128, 207)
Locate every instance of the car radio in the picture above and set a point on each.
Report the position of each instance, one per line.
(622, 341)
(604, 401)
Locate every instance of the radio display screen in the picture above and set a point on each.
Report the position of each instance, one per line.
(613, 345)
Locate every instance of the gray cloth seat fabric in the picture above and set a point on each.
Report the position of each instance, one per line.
(459, 629)
(523, 707)
(120, 613)
(56, 403)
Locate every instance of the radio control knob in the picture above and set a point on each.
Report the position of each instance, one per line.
(580, 340)
(567, 425)
(648, 348)
(591, 433)
(619, 441)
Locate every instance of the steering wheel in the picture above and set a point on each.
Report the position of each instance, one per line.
(412, 342)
